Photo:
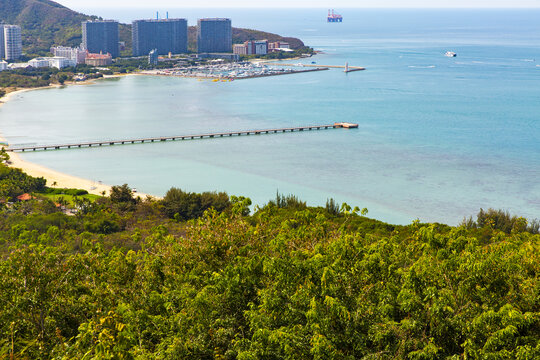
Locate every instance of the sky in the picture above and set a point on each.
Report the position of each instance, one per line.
(78, 4)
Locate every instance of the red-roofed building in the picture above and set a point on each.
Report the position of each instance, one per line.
(25, 197)
(98, 59)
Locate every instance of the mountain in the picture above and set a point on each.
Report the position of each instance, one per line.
(45, 23)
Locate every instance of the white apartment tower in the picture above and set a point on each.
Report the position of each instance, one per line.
(12, 42)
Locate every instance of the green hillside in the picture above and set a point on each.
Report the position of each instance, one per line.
(195, 276)
(45, 23)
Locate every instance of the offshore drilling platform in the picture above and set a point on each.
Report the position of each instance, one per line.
(334, 17)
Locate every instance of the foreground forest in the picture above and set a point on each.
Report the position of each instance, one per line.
(196, 276)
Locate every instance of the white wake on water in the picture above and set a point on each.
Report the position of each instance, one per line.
(422, 67)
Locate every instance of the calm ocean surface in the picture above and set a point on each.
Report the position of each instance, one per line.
(439, 137)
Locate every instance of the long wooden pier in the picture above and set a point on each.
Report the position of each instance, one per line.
(179, 137)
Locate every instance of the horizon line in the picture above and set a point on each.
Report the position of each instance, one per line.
(317, 7)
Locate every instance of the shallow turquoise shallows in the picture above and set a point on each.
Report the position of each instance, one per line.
(439, 137)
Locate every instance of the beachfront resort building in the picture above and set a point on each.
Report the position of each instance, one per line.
(11, 40)
(58, 62)
(165, 35)
(257, 47)
(98, 59)
(101, 37)
(278, 46)
(39, 63)
(240, 49)
(214, 35)
(77, 54)
(260, 47)
(251, 47)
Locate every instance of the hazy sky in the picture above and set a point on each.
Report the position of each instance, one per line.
(75, 4)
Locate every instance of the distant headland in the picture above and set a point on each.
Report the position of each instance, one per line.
(45, 23)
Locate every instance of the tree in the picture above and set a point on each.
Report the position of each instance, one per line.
(4, 156)
(182, 205)
(62, 78)
(122, 194)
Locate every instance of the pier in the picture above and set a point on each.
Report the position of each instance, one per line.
(75, 145)
(345, 67)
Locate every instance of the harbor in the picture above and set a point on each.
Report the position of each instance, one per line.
(231, 71)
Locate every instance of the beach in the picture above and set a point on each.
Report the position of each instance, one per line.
(55, 178)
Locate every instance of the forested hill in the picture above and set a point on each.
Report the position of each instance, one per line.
(45, 23)
(196, 276)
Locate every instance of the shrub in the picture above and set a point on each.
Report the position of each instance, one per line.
(184, 206)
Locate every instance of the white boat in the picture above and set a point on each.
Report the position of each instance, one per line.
(450, 54)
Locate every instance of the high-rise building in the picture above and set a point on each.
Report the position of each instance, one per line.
(101, 37)
(165, 35)
(2, 43)
(214, 36)
(12, 42)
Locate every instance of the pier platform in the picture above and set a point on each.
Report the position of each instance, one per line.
(76, 145)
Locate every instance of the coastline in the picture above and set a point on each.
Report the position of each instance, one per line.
(62, 180)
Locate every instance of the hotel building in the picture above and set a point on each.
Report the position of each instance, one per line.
(101, 36)
(165, 35)
(214, 36)
(77, 54)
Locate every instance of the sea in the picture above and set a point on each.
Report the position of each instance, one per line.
(438, 138)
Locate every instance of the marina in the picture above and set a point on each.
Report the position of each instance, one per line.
(338, 125)
(230, 72)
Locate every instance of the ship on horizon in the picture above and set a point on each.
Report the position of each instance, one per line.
(334, 17)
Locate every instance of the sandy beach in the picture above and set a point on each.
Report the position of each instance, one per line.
(60, 180)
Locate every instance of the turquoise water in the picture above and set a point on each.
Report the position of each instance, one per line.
(438, 138)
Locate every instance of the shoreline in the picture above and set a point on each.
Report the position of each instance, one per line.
(62, 180)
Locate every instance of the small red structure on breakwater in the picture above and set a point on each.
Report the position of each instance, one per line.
(333, 17)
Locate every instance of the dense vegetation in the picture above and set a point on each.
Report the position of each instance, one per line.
(127, 278)
(46, 23)
(26, 78)
(14, 182)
